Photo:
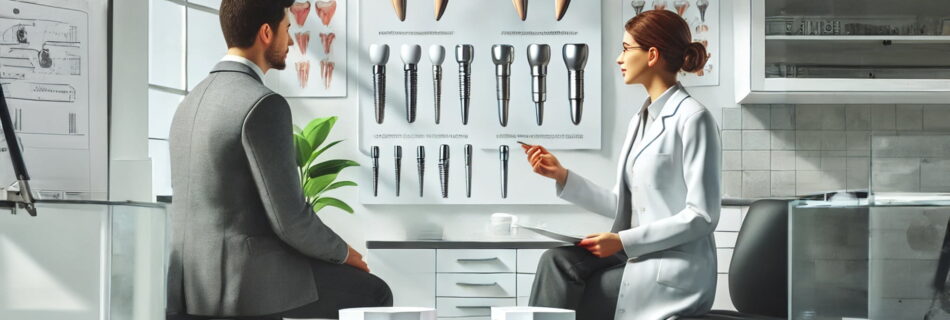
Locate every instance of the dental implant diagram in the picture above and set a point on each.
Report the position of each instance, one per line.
(503, 55)
(575, 58)
(444, 169)
(539, 55)
(410, 58)
(375, 154)
(379, 56)
(437, 56)
(464, 54)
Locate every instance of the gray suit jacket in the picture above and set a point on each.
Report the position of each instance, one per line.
(243, 236)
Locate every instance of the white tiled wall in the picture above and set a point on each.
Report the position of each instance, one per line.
(786, 150)
(730, 220)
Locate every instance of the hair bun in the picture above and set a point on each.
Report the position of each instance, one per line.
(695, 57)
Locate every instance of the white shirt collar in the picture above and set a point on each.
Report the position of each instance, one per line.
(657, 106)
(245, 61)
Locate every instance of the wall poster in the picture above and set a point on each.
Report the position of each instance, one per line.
(317, 63)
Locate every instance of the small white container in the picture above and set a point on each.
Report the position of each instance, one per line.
(388, 313)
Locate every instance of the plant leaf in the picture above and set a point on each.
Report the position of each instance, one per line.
(339, 184)
(333, 202)
(297, 129)
(313, 125)
(330, 167)
(303, 150)
(319, 132)
(314, 186)
(319, 152)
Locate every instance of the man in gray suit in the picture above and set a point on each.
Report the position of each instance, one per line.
(245, 243)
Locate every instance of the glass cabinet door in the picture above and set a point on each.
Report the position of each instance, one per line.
(868, 47)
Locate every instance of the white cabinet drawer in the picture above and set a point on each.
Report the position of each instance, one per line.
(475, 261)
(476, 285)
(471, 307)
(528, 260)
(525, 282)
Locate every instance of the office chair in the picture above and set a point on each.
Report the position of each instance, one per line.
(758, 275)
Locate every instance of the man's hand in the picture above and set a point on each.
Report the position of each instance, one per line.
(602, 244)
(355, 259)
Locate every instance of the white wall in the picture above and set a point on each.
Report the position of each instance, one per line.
(376, 222)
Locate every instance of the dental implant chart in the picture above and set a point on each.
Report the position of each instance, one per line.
(476, 75)
(317, 62)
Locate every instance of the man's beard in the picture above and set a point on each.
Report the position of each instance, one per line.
(276, 59)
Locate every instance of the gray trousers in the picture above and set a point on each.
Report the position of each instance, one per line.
(339, 287)
(573, 278)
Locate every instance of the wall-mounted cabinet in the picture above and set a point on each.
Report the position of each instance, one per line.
(842, 51)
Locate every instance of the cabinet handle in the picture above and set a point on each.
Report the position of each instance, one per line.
(470, 284)
(477, 260)
(473, 307)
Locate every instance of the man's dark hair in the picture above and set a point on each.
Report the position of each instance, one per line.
(241, 19)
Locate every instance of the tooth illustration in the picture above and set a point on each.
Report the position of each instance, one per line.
(444, 169)
(503, 155)
(400, 6)
(303, 40)
(440, 6)
(521, 6)
(503, 55)
(410, 58)
(303, 72)
(325, 10)
(300, 10)
(421, 167)
(326, 72)
(468, 170)
(560, 8)
(575, 58)
(437, 56)
(538, 57)
(379, 55)
(327, 40)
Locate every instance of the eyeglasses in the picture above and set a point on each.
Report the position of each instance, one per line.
(625, 49)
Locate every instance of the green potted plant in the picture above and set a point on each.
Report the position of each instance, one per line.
(317, 178)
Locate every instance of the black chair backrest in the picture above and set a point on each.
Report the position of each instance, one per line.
(758, 275)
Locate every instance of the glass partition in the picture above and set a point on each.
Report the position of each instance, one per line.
(83, 260)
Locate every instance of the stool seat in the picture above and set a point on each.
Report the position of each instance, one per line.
(531, 313)
(388, 313)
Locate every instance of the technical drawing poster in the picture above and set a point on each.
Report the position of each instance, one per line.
(316, 64)
(51, 92)
(703, 19)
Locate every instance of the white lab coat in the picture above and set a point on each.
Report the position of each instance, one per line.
(666, 221)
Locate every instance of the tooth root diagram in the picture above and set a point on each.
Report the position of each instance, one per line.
(327, 40)
(300, 10)
(325, 10)
(326, 72)
(303, 41)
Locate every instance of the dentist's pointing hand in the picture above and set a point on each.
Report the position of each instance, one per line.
(545, 163)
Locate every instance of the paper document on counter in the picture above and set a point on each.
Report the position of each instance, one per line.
(553, 235)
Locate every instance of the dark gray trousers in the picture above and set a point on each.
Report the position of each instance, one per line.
(573, 278)
(339, 287)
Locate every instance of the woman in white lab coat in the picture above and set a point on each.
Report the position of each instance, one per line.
(659, 259)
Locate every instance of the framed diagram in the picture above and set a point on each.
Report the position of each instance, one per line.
(459, 80)
(703, 19)
(53, 71)
(317, 63)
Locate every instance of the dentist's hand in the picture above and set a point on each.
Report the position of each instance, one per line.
(545, 163)
(602, 244)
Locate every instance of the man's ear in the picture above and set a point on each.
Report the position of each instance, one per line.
(265, 34)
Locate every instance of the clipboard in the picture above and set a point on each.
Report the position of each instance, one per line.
(553, 235)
